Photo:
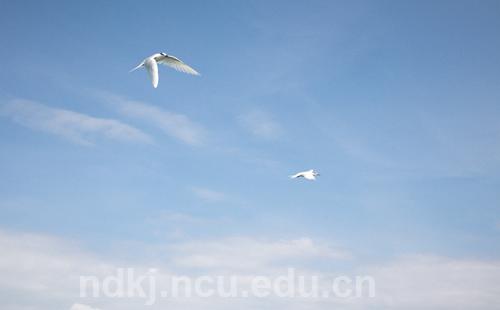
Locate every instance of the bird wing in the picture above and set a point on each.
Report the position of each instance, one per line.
(297, 175)
(176, 63)
(140, 65)
(152, 68)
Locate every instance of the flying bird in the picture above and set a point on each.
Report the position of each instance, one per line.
(309, 175)
(151, 64)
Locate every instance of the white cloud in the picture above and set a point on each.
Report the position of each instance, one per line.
(261, 124)
(82, 307)
(249, 254)
(45, 270)
(175, 125)
(431, 282)
(42, 272)
(208, 195)
(73, 126)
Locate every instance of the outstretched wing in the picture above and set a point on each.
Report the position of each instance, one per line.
(298, 175)
(138, 66)
(176, 63)
(152, 68)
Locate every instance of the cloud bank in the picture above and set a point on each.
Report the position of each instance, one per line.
(42, 272)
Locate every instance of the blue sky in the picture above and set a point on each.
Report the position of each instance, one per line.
(396, 103)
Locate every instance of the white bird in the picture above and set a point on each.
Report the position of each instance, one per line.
(151, 64)
(309, 175)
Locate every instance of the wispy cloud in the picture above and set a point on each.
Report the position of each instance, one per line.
(173, 124)
(177, 218)
(261, 124)
(73, 126)
(176, 225)
(82, 307)
(208, 195)
(251, 254)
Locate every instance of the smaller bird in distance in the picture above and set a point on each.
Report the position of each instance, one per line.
(309, 175)
(151, 65)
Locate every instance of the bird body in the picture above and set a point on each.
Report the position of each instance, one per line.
(151, 65)
(309, 175)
